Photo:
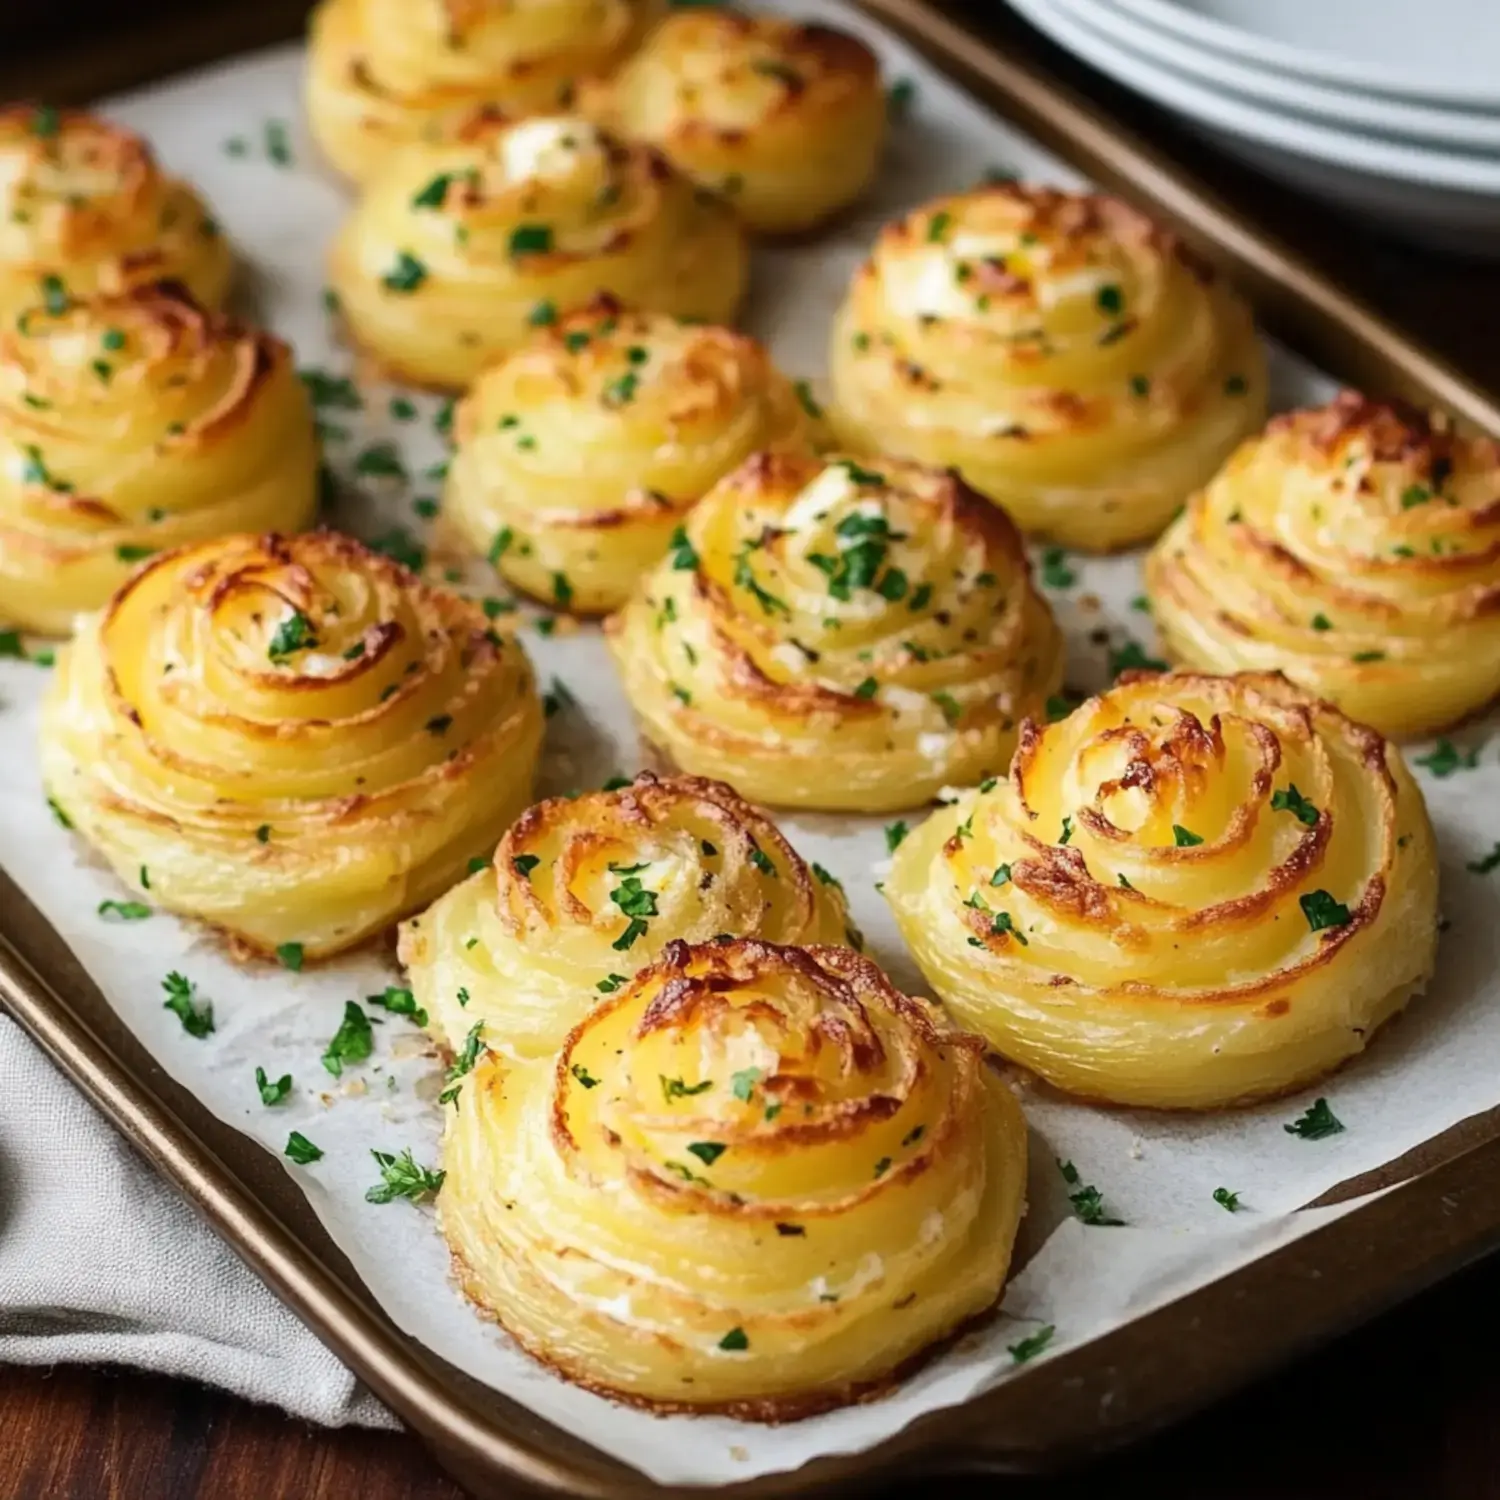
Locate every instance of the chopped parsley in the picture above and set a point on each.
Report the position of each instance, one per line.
(584, 1077)
(1132, 656)
(1087, 1201)
(708, 1152)
(735, 1341)
(301, 1150)
(402, 1177)
(809, 403)
(895, 833)
(900, 97)
(272, 1093)
(637, 903)
(278, 147)
(673, 1089)
(436, 189)
(352, 1042)
(1322, 911)
(524, 864)
(400, 546)
(742, 1084)
(1292, 801)
(1316, 1123)
(126, 911)
(680, 549)
(1489, 862)
(1446, 758)
(399, 1002)
(463, 1064)
(295, 633)
(406, 275)
(1056, 574)
(380, 461)
(530, 239)
(1032, 1345)
(1185, 838)
(182, 1000)
(1227, 1200)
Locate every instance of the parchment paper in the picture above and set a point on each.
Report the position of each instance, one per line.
(1158, 1173)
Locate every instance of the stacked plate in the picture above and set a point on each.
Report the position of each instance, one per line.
(1387, 107)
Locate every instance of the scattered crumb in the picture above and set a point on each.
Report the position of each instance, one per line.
(1089, 603)
(1137, 1149)
(738, 1454)
(412, 1044)
(354, 1088)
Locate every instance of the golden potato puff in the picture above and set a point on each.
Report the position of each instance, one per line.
(579, 455)
(454, 250)
(829, 635)
(1060, 349)
(584, 891)
(757, 1180)
(786, 121)
(291, 738)
(382, 74)
(84, 210)
(1355, 547)
(1192, 892)
(130, 424)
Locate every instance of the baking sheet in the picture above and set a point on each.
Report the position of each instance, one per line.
(1158, 1174)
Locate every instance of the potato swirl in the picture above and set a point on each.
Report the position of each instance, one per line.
(826, 635)
(85, 209)
(1192, 892)
(1355, 547)
(758, 1179)
(295, 738)
(585, 891)
(456, 252)
(579, 455)
(1059, 349)
(384, 73)
(131, 424)
(786, 121)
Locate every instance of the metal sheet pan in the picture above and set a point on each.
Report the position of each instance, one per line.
(1444, 1213)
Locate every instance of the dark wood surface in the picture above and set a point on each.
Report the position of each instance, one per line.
(1409, 1407)
(1406, 1409)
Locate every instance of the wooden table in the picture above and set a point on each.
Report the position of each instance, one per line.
(1408, 1407)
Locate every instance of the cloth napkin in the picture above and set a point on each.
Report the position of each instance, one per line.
(102, 1263)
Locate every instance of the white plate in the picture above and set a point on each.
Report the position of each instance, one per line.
(1395, 119)
(1437, 198)
(1446, 50)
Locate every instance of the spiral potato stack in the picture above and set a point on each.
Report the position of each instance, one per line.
(1355, 547)
(1193, 891)
(130, 424)
(85, 209)
(758, 1179)
(296, 739)
(384, 73)
(834, 636)
(457, 251)
(1059, 349)
(786, 121)
(579, 455)
(585, 891)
